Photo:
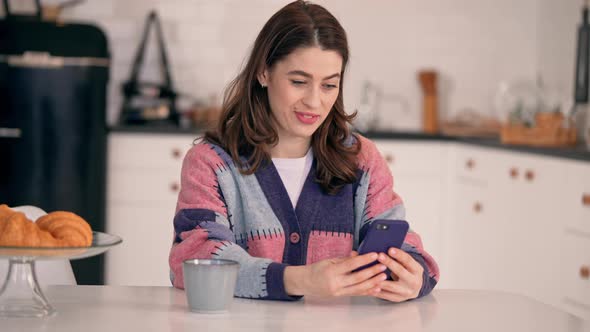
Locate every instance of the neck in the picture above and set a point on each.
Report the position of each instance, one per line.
(291, 148)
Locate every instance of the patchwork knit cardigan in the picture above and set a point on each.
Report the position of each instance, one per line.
(250, 219)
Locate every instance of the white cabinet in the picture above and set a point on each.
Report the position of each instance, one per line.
(575, 268)
(473, 233)
(529, 184)
(493, 219)
(574, 210)
(419, 169)
(511, 212)
(142, 189)
(576, 200)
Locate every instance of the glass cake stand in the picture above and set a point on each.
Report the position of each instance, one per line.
(20, 294)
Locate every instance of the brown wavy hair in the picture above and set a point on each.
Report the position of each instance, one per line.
(245, 127)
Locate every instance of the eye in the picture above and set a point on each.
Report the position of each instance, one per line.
(296, 82)
(330, 86)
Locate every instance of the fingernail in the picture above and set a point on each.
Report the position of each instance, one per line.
(381, 256)
(383, 267)
(383, 277)
(377, 290)
(392, 251)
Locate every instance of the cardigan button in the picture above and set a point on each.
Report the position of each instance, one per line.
(295, 238)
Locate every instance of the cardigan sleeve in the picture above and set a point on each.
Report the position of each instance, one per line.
(203, 230)
(376, 199)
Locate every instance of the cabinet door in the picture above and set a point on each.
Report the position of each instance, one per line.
(152, 151)
(419, 170)
(473, 242)
(422, 199)
(575, 268)
(144, 185)
(531, 187)
(576, 199)
(142, 258)
(413, 157)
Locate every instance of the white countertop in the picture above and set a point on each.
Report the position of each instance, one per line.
(110, 308)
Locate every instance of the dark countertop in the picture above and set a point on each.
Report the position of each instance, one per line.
(159, 129)
(576, 153)
(579, 152)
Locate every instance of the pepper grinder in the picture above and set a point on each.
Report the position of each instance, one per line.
(427, 80)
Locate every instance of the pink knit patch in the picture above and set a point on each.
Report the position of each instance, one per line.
(381, 193)
(194, 245)
(271, 247)
(198, 180)
(324, 245)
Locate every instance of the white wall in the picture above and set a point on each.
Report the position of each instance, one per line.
(473, 44)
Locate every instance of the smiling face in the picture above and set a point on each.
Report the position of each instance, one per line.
(302, 88)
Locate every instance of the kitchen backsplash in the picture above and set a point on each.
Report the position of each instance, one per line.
(473, 44)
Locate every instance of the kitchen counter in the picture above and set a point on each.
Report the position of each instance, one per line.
(160, 129)
(577, 153)
(113, 308)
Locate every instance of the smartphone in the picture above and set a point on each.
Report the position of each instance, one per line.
(382, 235)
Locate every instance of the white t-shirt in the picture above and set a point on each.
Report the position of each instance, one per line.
(293, 172)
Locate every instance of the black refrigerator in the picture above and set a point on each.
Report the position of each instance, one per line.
(53, 80)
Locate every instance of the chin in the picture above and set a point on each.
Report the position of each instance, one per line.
(306, 133)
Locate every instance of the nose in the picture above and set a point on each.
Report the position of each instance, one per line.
(312, 97)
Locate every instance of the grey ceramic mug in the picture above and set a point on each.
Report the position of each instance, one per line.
(209, 284)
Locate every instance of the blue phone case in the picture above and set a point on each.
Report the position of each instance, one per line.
(382, 235)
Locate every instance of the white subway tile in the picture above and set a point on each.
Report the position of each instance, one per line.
(92, 9)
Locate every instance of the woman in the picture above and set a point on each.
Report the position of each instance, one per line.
(283, 187)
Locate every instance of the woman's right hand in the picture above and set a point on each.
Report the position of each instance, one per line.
(334, 277)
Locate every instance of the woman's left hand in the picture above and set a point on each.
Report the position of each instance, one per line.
(407, 274)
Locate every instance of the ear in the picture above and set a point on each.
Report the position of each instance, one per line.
(263, 78)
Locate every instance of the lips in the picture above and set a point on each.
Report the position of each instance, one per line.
(307, 118)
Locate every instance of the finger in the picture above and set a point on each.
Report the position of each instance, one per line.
(353, 253)
(390, 296)
(364, 274)
(406, 260)
(372, 291)
(363, 287)
(395, 267)
(353, 263)
(399, 289)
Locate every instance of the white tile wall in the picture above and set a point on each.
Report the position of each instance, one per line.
(474, 44)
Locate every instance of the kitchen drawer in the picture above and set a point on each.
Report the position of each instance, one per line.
(473, 164)
(141, 185)
(576, 268)
(576, 198)
(147, 233)
(131, 150)
(413, 157)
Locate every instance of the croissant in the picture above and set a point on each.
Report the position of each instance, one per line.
(56, 229)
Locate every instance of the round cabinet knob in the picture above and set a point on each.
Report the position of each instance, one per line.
(470, 163)
(477, 207)
(514, 173)
(174, 187)
(529, 175)
(585, 272)
(176, 153)
(586, 200)
(389, 158)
